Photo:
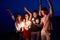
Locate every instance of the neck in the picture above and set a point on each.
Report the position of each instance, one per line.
(26, 20)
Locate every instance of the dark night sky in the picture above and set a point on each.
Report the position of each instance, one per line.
(18, 5)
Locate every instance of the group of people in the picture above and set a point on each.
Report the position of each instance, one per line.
(34, 26)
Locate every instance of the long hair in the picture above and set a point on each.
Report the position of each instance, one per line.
(26, 14)
(16, 19)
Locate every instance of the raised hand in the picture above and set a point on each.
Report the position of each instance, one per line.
(25, 9)
(40, 7)
(11, 14)
(51, 8)
(28, 12)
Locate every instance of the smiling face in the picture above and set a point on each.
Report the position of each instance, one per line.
(34, 14)
(44, 11)
(18, 18)
(26, 16)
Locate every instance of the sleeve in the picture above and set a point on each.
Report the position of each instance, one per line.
(17, 28)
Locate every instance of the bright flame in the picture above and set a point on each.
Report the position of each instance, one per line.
(32, 19)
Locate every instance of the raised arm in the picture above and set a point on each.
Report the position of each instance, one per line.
(11, 14)
(28, 12)
(51, 9)
(40, 7)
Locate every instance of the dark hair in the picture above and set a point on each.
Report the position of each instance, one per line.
(27, 13)
(35, 11)
(45, 10)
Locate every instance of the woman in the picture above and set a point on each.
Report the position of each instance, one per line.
(26, 32)
(18, 23)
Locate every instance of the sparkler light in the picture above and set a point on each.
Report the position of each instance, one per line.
(37, 21)
(19, 26)
(32, 19)
(28, 23)
(22, 24)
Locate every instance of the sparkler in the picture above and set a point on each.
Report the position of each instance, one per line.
(32, 19)
(37, 21)
(28, 23)
(22, 24)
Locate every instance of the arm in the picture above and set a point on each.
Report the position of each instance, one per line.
(22, 29)
(41, 23)
(51, 9)
(11, 14)
(40, 7)
(36, 23)
(16, 26)
(28, 12)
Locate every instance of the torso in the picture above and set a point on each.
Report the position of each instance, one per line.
(27, 25)
(46, 23)
(19, 26)
(34, 27)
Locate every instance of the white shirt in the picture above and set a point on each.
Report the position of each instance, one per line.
(19, 26)
(28, 25)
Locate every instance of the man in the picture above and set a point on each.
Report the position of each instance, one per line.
(47, 26)
(35, 29)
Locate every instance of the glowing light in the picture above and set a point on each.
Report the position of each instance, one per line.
(37, 21)
(28, 23)
(22, 24)
(32, 19)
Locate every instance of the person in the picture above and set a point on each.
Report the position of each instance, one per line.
(45, 21)
(26, 32)
(35, 28)
(18, 24)
(19, 27)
